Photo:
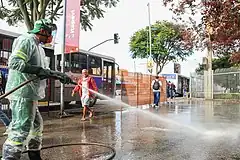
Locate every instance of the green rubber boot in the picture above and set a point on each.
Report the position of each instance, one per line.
(34, 155)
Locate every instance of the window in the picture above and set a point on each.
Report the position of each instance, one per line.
(108, 78)
(6, 43)
(108, 72)
(5, 48)
(78, 62)
(94, 65)
(67, 62)
(58, 62)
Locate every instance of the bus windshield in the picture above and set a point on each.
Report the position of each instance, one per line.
(94, 65)
(78, 62)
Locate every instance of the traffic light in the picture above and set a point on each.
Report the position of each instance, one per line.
(177, 68)
(116, 38)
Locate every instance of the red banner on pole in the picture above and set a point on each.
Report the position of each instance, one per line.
(72, 25)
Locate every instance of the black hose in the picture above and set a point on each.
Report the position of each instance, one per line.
(23, 84)
(16, 88)
(82, 143)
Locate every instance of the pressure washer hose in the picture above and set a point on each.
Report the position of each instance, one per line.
(18, 87)
(85, 144)
(65, 144)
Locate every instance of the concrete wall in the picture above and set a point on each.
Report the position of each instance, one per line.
(136, 88)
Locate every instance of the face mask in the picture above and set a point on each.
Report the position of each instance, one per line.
(54, 33)
(49, 40)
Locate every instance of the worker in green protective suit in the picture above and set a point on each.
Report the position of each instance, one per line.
(27, 62)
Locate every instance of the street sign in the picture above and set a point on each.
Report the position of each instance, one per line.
(150, 64)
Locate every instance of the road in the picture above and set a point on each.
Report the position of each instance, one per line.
(185, 130)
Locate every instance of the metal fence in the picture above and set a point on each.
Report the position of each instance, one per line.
(226, 85)
(196, 85)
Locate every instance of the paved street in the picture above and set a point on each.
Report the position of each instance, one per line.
(186, 130)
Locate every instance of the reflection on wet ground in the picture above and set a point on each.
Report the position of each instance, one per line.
(137, 135)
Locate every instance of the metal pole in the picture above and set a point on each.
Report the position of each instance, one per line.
(100, 44)
(147, 48)
(150, 34)
(134, 66)
(137, 89)
(63, 60)
(190, 86)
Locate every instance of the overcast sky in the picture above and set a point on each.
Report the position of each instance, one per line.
(128, 17)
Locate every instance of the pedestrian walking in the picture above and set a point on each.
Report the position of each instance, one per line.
(157, 88)
(85, 83)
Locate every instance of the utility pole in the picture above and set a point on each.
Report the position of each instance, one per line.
(147, 48)
(134, 63)
(150, 33)
(150, 63)
(208, 73)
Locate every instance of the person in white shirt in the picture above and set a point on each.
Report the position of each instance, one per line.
(157, 88)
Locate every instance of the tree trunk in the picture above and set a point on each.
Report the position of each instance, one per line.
(26, 17)
(157, 66)
(160, 69)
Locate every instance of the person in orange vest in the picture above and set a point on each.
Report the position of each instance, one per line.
(84, 83)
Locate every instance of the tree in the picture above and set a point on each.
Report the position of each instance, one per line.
(170, 42)
(29, 11)
(235, 58)
(221, 16)
(217, 63)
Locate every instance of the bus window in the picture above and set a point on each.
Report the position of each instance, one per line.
(108, 78)
(110, 69)
(58, 62)
(67, 63)
(6, 44)
(78, 62)
(94, 65)
(5, 49)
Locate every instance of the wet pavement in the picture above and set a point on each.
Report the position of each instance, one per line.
(185, 130)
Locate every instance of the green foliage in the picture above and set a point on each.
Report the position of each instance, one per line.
(170, 42)
(217, 63)
(28, 11)
(223, 74)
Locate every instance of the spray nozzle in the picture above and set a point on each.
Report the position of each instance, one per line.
(73, 83)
